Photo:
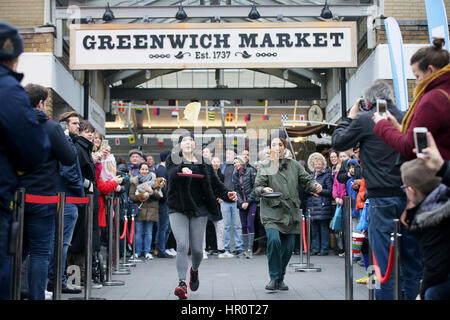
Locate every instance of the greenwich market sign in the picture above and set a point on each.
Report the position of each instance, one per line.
(213, 45)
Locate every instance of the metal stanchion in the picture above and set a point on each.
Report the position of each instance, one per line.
(371, 281)
(301, 264)
(124, 258)
(117, 269)
(133, 259)
(109, 281)
(89, 214)
(15, 248)
(348, 248)
(308, 253)
(395, 238)
(58, 247)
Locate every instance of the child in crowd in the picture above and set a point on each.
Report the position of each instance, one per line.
(352, 187)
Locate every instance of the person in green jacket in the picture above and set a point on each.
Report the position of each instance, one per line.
(280, 215)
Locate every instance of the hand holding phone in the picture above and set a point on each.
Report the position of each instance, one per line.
(421, 141)
(381, 106)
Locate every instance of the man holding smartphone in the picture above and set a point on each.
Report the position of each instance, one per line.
(383, 188)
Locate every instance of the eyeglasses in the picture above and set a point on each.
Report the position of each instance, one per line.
(404, 187)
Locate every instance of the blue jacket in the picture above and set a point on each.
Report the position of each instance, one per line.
(72, 180)
(45, 179)
(320, 207)
(23, 140)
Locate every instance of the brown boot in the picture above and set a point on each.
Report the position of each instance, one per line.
(260, 251)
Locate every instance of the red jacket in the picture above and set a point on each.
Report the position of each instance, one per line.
(104, 187)
(432, 112)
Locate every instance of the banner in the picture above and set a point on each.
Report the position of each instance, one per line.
(395, 42)
(213, 45)
(437, 21)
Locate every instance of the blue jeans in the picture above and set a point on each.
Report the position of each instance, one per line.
(5, 218)
(320, 236)
(162, 233)
(70, 218)
(381, 213)
(439, 292)
(231, 218)
(38, 231)
(144, 233)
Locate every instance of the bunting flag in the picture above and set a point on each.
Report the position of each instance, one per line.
(211, 115)
(284, 118)
(247, 117)
(175, 113)
(117, 142)
(171, 102)
(121, 107)
(160, 142)
(283, 101)
(229, 117)
(139, 110)
(238, 101)
(149, 102)
(266, 117)
(301, 117)
(145, 140)
(156, 112)
(261, 102)
(131, 139)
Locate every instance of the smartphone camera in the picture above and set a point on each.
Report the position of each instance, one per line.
(421, 140)
(63, 125)
(363, 105)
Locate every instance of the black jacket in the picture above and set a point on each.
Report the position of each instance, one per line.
(72, 180)
(430, 223)
(84, 148)
(23, 140)
(321, 208)
(342, 175)
(45, 179)
(377, 158)
(245, 192)
(179, 196)
(444, 173)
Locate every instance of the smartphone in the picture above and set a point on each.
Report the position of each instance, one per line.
(363, 105)
(381, 106)
(63, 125)
(421, 140)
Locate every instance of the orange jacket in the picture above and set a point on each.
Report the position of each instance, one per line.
(361, 197)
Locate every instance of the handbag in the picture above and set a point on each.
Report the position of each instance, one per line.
(337, 222)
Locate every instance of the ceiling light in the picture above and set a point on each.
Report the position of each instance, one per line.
(254, 14)
(181, 15)
(108, 15)
(326, 12)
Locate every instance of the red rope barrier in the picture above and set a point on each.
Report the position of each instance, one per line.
(389, 267)
(76, 200)
(305, 246)
(31, 198)
(130, 238)
(125, 229)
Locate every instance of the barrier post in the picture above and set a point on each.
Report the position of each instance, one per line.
(58, 247)
(117, 269)
(15, 248)
(301, 264)
(109, 281)
(348, 205)
(396, 240)
(371, 281)
(308, 253)
(125, 239)
(133, 259)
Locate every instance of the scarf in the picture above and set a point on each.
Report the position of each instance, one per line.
(418, 93)
(144, 179)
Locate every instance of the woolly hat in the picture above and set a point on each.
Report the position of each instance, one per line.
(352, 161)
(185, 134)
(164, 154)
(11, 43)
(135, 151)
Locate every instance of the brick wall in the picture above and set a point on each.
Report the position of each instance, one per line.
(22, 13)
(38, 42)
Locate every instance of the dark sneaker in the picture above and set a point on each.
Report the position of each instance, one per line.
(181, 291)
(193, 281)
(272, 285)
(281, 285)
(163, 255)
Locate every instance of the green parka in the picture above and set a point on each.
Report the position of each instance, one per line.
(282, 213)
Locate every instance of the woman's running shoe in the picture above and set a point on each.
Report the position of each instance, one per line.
(181, 291)
(194, 282)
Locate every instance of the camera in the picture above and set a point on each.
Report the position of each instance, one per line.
(363, 105)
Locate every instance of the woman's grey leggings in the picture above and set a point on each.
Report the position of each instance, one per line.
(189, 233)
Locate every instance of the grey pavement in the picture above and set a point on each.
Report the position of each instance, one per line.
(235, 279)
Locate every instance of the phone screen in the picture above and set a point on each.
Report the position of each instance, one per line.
(63, 125)
(422, 141)
(381, 106)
